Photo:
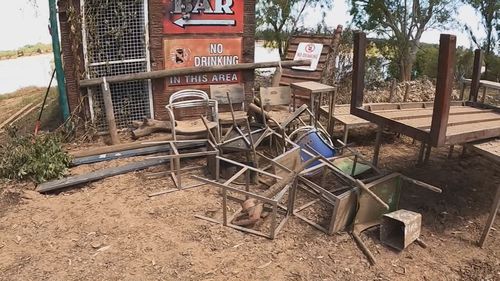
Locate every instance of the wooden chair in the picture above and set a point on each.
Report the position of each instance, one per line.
(276, 102)
(191, 99)
(237, 96)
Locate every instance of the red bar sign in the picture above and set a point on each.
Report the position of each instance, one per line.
(203, 16)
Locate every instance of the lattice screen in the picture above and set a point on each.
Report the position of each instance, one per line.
(115, 43)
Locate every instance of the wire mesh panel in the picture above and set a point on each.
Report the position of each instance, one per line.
(115, 43)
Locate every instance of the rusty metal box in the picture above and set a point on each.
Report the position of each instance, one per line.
(400, 228)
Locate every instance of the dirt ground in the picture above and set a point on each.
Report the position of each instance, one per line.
(111, 230)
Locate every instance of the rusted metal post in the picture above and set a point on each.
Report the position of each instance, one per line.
(358, 73)
(444, 86)
(476, 75)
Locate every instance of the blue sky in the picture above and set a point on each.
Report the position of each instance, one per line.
(21, 23)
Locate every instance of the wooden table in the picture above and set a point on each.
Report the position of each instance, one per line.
(314, 89)
(491, 150)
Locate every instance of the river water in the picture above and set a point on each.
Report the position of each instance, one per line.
(36, 70)
(24, 72)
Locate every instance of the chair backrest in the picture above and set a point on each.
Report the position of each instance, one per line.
(236, 93)
(276, 95)
(188, 95)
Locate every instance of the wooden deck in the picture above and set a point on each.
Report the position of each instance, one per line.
(465, 123)
(442, 122)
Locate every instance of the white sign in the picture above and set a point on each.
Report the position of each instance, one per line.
(308, 51)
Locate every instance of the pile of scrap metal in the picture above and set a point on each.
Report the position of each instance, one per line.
(270, 166)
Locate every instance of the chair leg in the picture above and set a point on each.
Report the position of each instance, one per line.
(346, 133)
(378, 142)
(491, 218)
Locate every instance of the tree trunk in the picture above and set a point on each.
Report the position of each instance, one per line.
(407, 60)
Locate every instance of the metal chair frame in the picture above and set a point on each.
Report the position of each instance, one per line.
(195, 98)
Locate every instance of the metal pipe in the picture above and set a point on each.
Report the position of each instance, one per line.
(56, 48)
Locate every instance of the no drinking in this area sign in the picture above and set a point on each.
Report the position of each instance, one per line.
(196, 52)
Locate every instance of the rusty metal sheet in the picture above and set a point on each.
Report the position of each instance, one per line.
(203, 16)
(202, 52)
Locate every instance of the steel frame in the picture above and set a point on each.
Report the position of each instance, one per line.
(175, 157)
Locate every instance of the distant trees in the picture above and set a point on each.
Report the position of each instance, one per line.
(402, 23)
(277, 20)
(490, 22)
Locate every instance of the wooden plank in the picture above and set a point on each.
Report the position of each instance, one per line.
(489, 149)
(476, 75)
(97, 175)
(392, 124)
(306, 75)
(110, 115)
(444, 87)
(236, 92)
(425, 122)
(157, 74)
(312, 87)
(350, 120)
(358, 74)
(15, 115)
(426, 112)
(275, 95)
(472, 132)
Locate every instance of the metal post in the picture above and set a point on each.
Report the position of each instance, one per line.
(56, 48)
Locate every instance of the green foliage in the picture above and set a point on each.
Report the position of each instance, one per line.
(402, 23)
(40, 158)
(489, 11)
(426, 61)
(277, 20)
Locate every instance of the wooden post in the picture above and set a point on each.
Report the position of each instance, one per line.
(393, 90)
(476, 75)
(110, 115)
(358, 73)
(462, 92)
(444, 85)
(407, 92)
(378, 142)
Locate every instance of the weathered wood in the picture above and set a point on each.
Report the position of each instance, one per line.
(495, 206)
(358, 73)
(364, 249)
(328, 73)
(393, 90)
(97, 175)
(407, 92)
(110, 115)
(157, 74)
(15, 115)
(444, 87)
(150, 126)
(392, 124)
(476, 75)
